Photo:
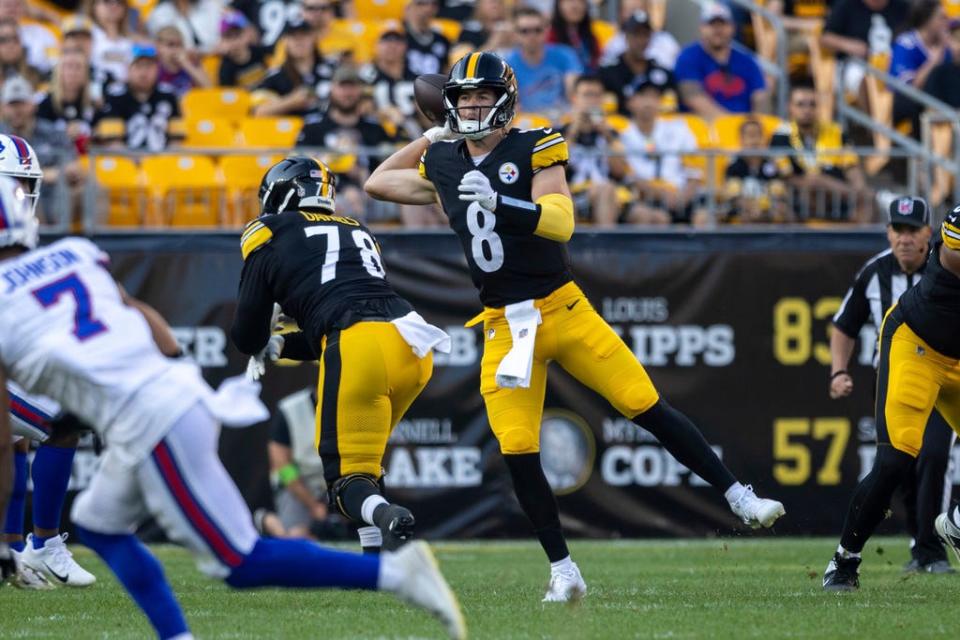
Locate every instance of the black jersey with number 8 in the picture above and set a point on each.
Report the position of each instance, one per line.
(507, 264)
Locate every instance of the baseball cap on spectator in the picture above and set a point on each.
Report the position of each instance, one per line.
(912, 212)
(233, 21)
(392, 29)
(657, 79)
(346, 73)
(16, 89)
(638, 21)
(143, 50)
(76, 24)
(296, 24)
(715, 11)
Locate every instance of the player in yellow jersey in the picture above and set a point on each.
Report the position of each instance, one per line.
(506, 196)
(919, 370)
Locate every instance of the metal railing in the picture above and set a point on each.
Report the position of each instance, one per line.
(940, 110)
(820, 204)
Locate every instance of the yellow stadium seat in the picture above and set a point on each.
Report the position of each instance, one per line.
(229, 103)
(210, 132)
(701, 131)
(144, 7)
(726, 129)
(341, 38)
(449, 28)
(185, 190)
(123, 190)
(379, 9)
(242, 175)
(531, 121)
(211, 66)
(618, 122)
(270, 132)
(603, 31)
(952, 7)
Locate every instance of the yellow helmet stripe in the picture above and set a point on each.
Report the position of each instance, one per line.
(472, 65)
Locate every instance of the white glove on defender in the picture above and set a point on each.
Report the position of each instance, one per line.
(475, 187)
(437, 134)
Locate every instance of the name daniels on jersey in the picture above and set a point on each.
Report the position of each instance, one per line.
(40, 267)
(323, 217)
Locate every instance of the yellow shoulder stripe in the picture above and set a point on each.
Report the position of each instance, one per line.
(951, 236)
(254, 239)
(549, 154)
(552, 136)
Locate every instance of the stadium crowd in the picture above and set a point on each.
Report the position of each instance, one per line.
(661, 132)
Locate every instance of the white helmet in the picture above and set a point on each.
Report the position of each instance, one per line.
(18, 160)
(18, 223)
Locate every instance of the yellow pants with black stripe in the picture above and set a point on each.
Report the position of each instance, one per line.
(912, 380)
(580, 340)
(369, 377)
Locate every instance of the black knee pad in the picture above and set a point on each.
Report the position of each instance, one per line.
(340, 485)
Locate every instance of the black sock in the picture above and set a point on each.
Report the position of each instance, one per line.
(684, 441)
(352, 496)
(868, 507)
(537, 501)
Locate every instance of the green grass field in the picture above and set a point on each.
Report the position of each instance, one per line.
(731, 588)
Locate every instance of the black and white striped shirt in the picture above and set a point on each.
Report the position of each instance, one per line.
(878, 285)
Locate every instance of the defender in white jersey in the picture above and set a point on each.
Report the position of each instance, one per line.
(67, 331)
(43, 553)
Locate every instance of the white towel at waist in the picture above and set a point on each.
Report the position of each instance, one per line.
(422, 336)
(236, 402)
(516, 366)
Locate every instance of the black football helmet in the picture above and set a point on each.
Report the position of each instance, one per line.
(473, 71)
(295, 183)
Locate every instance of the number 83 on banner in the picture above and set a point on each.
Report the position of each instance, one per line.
(793, 330)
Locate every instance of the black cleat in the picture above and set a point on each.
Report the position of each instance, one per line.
(397, 527)
(842, 574)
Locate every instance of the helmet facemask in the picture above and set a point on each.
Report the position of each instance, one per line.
(497, 115)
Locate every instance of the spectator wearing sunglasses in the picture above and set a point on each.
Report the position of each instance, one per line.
(40, 43)
(545, 72)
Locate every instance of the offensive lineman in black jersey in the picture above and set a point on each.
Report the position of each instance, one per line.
(919, 370)
(506, 196)
(325, 272)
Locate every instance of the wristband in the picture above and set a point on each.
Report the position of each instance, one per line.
(842, 372)
(287, 474)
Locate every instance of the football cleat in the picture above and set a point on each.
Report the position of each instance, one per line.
(754, 511)
(397, 528)
(27, 578)
(948, 529)
(424, 586)
(56, 563)
(842, 574)
(566, 585)
(938, 567)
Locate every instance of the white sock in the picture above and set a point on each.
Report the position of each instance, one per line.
(391, 576)
(370, 537)
(734, 493)
(371, 503)
(183, 636)
(846, 554)
(561, 565)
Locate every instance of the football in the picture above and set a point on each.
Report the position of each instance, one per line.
(428, 92)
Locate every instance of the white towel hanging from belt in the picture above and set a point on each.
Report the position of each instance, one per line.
(516, 366)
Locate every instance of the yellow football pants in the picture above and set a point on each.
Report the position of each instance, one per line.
(912, 379)
(580, 340)
(369, 377)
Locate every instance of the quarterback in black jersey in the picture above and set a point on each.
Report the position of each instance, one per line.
(326, 273)
(506, 196)
(919, 370)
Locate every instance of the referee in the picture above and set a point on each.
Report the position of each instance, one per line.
(877, 287)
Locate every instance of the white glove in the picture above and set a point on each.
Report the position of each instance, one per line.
(257, 366)
(475, 187)
(437, 134)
